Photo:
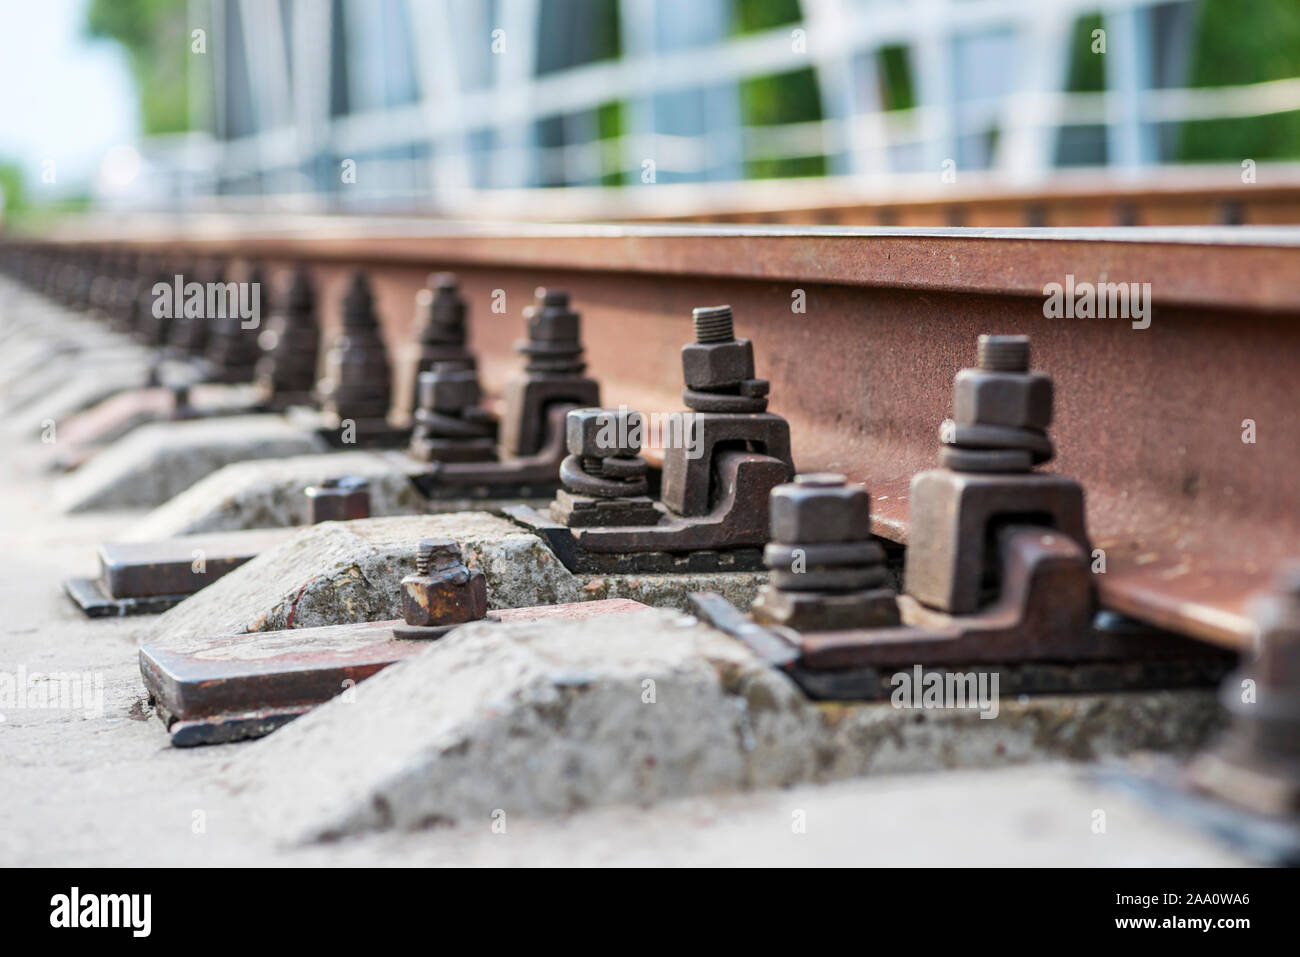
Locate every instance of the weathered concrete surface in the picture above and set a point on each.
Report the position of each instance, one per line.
(537, 719)
(105, 788)
(533, 720)
(269, 493)
(82, 435)
(65, 388)
(338, 572)
(161, 460)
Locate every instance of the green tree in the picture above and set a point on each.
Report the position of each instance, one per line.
(1239, 42)
(11, 190)
(156, 37)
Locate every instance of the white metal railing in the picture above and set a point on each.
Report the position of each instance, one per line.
(832, 34)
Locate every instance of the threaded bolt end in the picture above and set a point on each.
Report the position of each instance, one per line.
(1004, 353)
(820, 479)
(713, 324)
(592, 465)
(435, 552)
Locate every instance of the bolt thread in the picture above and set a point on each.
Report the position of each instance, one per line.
(592, 465)
(1004, 353)
(423, 557)
(821, 480)
(713, 324)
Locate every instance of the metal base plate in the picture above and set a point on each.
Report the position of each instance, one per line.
(560, 539)
(436, 490)
(369, 435)
(216, 689)
(1195, 667)
(90, 596)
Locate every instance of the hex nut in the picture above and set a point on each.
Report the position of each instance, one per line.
(603, 433)
(1021, 400)
(449, 390)
(717, 365)
(452, 596)
(811, 611)
(804, 514)
(553, 324)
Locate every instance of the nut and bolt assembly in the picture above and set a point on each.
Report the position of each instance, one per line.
(1001, 411)
(553, 343)
(827, 572)
(443, 592)
(553, 376)
(450, 426)
(341, 499)
(440, 316)
(358, 381)
(604, 476)
(719, 368)
(290, 346)
(1256, 764)
(997, 435)
(233, 349)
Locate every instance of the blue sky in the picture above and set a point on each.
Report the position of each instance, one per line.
(65, 98)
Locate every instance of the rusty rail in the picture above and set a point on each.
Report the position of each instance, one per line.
(1191, 518)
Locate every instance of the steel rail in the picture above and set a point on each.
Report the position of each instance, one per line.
(1191, 518)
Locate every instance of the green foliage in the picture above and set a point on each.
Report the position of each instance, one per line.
(11, 184)
(778, 99)
(1237, 42)
(156, 37)
(1246, 41)
(751, 16)
(896, 90)
(610, 125)
(1087, 71)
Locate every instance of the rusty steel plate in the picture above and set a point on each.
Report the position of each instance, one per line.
(181, 565)
(212, 689)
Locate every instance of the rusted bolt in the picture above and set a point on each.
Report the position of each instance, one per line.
(713, 324)
(718, 368)
(826, 570)
(440, 316)
(1256, 764)
(290, 345)
(341, 499)
(443, 590)
(359, 383)
(604, 458)
(818, 508)
(449, 423)
(1003, 353)
(449, 388)
(1001, 411)
(443, 310)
